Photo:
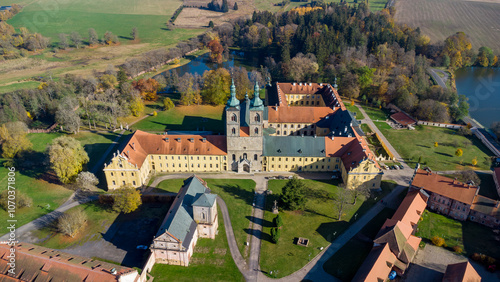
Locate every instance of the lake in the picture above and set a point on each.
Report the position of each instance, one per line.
(482, 87)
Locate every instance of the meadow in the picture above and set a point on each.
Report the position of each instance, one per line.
(441, 18)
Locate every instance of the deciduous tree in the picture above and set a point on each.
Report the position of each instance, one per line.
(459, 152)
(93, 37)
(126, 199)
(71, 222)
(13, 139)
(67, 158)
(87, 180)
(168, 104)
(216, 85)
(134, 33)
(76, 39)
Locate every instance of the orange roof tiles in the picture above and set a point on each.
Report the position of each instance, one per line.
(244, 131)
(459, 272)
(377, 265)
(286, 114)
(412, 207)
(444, 186)
(403, 119)
(142, 144)
(358, 151)
(35, 263)
(414, 242)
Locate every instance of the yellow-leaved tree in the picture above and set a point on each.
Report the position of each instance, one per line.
(474, 161)
(67, 158)
(126, 199)
(459, 152)
(13, 139)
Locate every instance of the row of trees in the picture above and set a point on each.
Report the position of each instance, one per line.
(14, 44)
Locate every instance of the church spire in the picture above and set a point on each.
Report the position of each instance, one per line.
(256, 101)
(233, 102)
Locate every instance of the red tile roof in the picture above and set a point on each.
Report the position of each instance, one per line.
(486, 206)
(357, 151)
(403, 119)
(142, 144)
(377, 265)
(461, 272)
(444, 186)
(412, 207)
(286, 114)
(35, 263)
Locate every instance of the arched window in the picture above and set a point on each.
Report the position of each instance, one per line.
(284, 132)
(234, 118)
(245, 156)
(256, 130)
(255, 157)
(278, 132)
(233, 131)
(257, 118)
(234, 157)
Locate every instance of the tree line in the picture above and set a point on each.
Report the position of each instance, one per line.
(374, 59)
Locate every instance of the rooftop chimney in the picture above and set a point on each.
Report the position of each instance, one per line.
(204, 140)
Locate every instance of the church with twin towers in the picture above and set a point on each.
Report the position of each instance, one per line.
(298, 127)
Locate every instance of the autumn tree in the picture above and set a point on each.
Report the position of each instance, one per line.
(474, 161)
(71, 222)
(63, 41)
(216, 50)
(342, 199)
(485, 57)
(216, 85)
(241, 81)
(67, 158)
(13, 139)
(134, 33)
(136, 106)
(126, 199)
(303, 67)
(189, 89)
(107, 81)
(93, 37)
(436, 144)
(293, 195)
(168, 104)
(22, 200)
(459, 152)
(67, 116)
(87, 180)
(468, 175)
(349, 85)
(456, 47)
(147, 87)
(110, 38)
(76, 39)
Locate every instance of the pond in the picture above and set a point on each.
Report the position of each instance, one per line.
(202, 63)
(482, 87)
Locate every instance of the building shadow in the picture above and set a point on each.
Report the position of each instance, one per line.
(194, 123)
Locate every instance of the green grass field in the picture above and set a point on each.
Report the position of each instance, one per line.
(355, 110)
(318, 223)
(345, 262)
(238, 195)
(211, 258)
(457, 233)
(95, 144)
(376, 114)
(50, 18)
(413, 144)
(185, 118)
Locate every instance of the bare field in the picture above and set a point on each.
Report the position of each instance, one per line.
(441, 18)
(198, 18)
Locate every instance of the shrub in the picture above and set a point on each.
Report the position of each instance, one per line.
(438, 241)
(422, 244)
(457, 249)
(155, 113)
(22, 200)
(475, 257)
(168, 104)
(275, 235)
(71, 222)
(278, 221)
(490, 260)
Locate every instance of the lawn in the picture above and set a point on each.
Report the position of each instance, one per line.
(318, 223)
(238, 195)
(185, 118)
(419, 143)
(95, 144)
(376, 114)
(356, 111)
(346, 261)
(211, 258)
(470, 236)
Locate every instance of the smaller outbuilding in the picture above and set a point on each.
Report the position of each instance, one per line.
(403, 119)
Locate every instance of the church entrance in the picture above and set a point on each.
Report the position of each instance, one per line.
(246, 168)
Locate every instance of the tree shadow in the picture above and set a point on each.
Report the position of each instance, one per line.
(194, 123)
(444, 154)
(264, 223)
(238, 193)
(133, 229)
(424, 146)
(259, 234)
(125, 37)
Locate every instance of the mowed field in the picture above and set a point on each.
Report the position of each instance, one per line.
(51, 17)
(441, 18)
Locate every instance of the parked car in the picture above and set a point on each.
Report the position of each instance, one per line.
(335, 177)
(142, 247)
(396, 167)
(392, 167)
(401, 167)
(386, 167)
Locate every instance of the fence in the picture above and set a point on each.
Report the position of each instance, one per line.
(437, 124)
(49, 129)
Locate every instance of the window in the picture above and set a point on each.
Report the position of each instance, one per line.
(255, 157)
(284, 125)
(278, 132)
(234, 118)
(133, 182)
(233, 131)
(123, 182)
(114, 183)
(336, 166)
(122, 173)
(291, 126)
(244, 156)
(307, 102)
(111, 174)
(256, 130)
(284, 132)
(234, 157)
(317, 102)
(257, 118)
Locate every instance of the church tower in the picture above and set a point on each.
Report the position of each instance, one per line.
(256, 113)
(233, 114)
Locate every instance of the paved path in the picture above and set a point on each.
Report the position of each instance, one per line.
(440, 81)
